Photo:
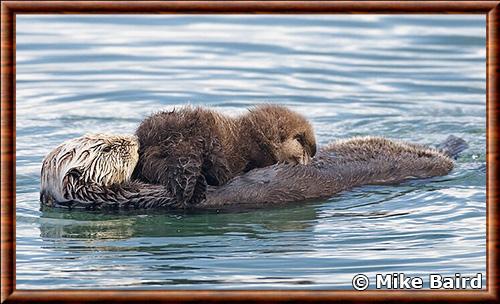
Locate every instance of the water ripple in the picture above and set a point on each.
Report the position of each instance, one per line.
(417, 78)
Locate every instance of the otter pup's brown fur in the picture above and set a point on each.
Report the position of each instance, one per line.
(190, 148)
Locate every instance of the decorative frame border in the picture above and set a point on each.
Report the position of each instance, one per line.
(9, 10)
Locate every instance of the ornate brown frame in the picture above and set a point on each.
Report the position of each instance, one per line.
(9, 9)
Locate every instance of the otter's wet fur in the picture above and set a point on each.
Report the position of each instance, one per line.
(190, 148)
(94, 172)
(340, 166)
(72, 168)
(337, 167)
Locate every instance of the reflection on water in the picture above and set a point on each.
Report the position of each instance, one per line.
(158, 224)
(418, 78)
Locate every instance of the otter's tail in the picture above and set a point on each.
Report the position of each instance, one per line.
(452, 146)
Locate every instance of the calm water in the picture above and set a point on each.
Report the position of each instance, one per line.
(417, 78)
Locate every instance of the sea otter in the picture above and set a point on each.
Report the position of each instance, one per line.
(81, 169)
(93, 172)
(188, 149)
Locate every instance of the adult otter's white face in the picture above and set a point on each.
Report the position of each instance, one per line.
(99, 159)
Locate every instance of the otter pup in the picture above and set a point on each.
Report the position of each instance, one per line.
(190, 148)
(89, 173)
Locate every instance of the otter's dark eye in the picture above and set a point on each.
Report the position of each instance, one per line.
(106, 149)
(300, 139)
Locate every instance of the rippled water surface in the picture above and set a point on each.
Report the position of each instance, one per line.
(417, 78)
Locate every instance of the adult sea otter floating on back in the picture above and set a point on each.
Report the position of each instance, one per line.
(94, 172)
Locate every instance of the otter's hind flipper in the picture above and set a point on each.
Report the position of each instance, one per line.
(452, 146)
